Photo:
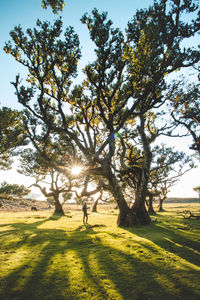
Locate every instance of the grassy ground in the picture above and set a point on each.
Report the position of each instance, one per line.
(44, 257)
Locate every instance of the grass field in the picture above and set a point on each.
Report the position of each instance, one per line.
(46, 257)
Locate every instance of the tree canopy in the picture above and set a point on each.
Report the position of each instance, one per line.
(13, 189)
(56, 5)
(12, 135)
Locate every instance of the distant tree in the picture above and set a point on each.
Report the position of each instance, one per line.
(197, 189)
(51, 173)
(12, 135)
(186, 110)
(96, 201)
(56, 186)
(167, 168)
(14, 189)
(50, 200)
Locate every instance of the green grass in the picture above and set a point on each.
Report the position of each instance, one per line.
(46, 257)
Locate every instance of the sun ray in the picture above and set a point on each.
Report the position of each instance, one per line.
(76, 170)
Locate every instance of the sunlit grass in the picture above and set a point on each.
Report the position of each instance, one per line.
(47, 257)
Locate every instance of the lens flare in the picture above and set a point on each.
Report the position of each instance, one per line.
(76, 170)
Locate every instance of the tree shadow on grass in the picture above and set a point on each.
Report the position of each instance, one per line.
(57, 264)
(171, 240)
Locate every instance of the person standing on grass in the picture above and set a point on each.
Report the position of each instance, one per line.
(85, 214)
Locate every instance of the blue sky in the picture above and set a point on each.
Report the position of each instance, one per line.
(26, 12)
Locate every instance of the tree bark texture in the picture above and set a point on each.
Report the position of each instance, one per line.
(58, 206)
(139, 208)
(125, 217)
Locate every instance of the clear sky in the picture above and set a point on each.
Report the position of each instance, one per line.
(26, 13)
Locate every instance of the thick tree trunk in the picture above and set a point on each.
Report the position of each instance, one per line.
(58, 207)
(139, 208)
(126, 217)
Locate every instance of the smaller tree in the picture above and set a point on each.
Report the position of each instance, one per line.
(197, 189)
(49, 177)
(167, 168)
(186, 110)
(13, 189)
(50, 200)
(56, 186)
(96, 201)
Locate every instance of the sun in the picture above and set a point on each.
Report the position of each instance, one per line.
(76, 170)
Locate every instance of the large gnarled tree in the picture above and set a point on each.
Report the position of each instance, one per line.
(126, 80)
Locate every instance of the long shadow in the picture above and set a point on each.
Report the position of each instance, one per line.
(54, 256)
(136, 273)
(27, 280)
(171, 241)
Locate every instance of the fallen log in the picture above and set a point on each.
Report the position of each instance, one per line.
(189, 215)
